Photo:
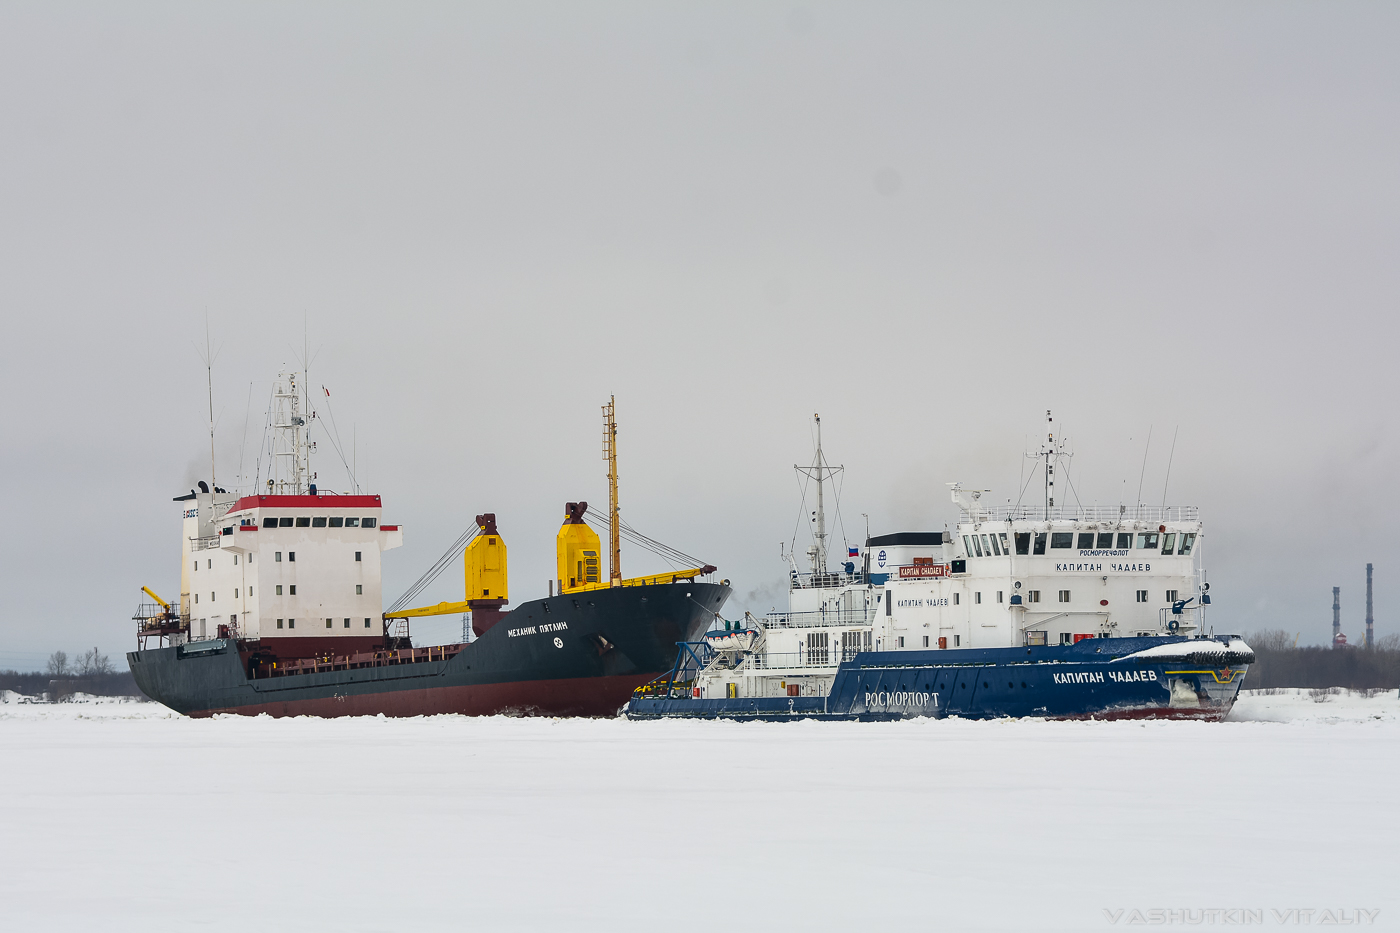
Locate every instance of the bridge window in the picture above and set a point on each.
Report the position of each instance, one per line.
(1125, 540)
(303, 521)
(1023, 542)
(1005, 548)
(269, 522)
(285, 521)
(967, 545)
(318, 522)
(1142, 596)
(1062, 539)
(352, 523)
(1105, 539)
(369, 523)
(337, 521)
(1147, 540)
(1168, 543)
(1086, 539)
(1188, 541)
(1040, 543)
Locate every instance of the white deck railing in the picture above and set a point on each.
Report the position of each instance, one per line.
(1107, 513)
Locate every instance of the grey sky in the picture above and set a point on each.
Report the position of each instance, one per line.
(928, 222)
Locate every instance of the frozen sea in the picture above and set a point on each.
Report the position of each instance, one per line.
(124, 816)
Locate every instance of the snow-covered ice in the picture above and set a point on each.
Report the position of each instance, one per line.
(123, 816)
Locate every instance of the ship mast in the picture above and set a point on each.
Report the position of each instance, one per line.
(291, 460)
(820, 471)
(1050, 451)
(610, 455)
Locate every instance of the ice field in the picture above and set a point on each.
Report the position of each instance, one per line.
(128, 817)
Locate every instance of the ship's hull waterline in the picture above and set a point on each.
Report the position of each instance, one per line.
(579, 654)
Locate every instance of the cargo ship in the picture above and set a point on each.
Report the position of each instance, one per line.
(280, 610)
(1042, 611)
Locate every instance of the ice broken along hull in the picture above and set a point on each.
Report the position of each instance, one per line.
(579, 654)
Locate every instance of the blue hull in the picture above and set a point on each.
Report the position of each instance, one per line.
(1091, 679)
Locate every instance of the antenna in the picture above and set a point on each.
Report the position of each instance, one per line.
(610, 455)
(1169, 467)
(1144, 466)
(209, 380)
(247, 413)
(820, 471)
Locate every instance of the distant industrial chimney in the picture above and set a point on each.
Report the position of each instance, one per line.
(1370, 620)
(1337, 637)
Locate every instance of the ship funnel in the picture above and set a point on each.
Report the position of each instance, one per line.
(487, 578)
(577, 548)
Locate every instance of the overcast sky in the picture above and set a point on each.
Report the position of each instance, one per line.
(930, 223)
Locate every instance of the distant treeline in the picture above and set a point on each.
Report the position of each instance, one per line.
(1279, 664)
(91, 672)
(36, 683)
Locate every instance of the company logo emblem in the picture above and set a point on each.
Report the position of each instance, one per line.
(881, 558)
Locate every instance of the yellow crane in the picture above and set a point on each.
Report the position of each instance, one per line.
(152, 593)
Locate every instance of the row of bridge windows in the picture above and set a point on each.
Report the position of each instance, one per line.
(995, 544)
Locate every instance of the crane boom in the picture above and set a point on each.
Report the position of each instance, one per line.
(151, 593)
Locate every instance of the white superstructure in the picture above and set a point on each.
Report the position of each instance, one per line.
(297, 563)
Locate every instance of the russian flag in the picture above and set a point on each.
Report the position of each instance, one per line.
(852, 552)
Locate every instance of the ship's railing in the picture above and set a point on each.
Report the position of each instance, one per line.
(819, 618)
(201, 544)
(802, 581)
(1108, 513)
(272, 667)
(786, 660)
(1189, 618)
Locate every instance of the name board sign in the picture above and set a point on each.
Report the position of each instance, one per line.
(923, 570)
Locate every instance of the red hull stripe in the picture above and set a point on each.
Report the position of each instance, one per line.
(306, 502)
(580, 696)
